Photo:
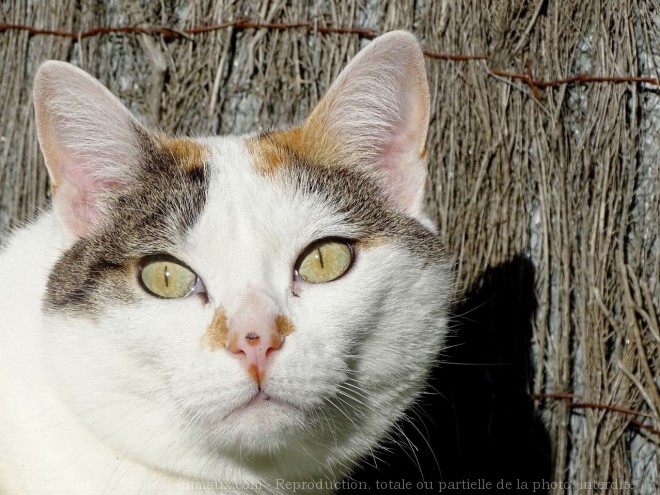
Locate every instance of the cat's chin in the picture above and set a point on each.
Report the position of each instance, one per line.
(263, 424)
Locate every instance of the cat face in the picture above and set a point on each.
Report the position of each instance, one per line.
(273, 301)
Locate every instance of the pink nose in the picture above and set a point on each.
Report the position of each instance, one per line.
(254, 346)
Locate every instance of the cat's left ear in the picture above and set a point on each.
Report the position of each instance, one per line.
(376, 115)
(90, 141)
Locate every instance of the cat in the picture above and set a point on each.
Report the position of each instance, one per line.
(237, 314)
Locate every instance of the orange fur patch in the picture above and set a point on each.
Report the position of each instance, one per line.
(216, 335)
(271, 151)
(267, 153)
(253, 371)
(189, 154)
(424, 152)
(371, 242)
(284, 326)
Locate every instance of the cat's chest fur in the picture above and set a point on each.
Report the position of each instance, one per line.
(243, 310)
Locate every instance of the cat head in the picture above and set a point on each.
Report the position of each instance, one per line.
(271, 301)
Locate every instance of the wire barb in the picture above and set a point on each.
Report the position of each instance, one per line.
(247, 23)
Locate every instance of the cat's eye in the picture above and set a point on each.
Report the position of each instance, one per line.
(324, 261)
(167, 277)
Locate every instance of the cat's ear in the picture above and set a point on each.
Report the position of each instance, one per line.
(90, 141)
(376, 114)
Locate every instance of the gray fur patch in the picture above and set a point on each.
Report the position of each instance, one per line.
(150, 217)
(358, 196)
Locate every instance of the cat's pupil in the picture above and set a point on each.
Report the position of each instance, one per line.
(320, 257)
(167, 276)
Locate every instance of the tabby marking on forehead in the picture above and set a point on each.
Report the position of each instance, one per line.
(216, 334)
(345, 185)
(271, 150)
(188, 154)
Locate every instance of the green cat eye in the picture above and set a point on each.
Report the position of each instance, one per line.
(164, 276)
(324, 261)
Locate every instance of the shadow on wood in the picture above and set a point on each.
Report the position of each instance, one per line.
(478, 417)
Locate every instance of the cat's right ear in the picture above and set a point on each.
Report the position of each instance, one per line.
(376, 116)
(90, 141)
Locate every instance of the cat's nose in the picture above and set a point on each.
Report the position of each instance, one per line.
(254, 346)
(255, 329)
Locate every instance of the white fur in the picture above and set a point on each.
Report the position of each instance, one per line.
(131, 402)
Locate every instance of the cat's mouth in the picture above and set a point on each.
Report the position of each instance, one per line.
(261, 402)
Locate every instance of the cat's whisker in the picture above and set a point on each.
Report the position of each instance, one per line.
(364, 405)
(425, 438)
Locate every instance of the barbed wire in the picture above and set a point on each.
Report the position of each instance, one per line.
(247, 23)
(604, 407)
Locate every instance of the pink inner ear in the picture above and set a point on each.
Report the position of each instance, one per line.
(406, 176)
(402, 158)
(75, 210)
(79, 195)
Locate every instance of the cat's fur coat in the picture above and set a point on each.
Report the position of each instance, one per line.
(105, 388)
